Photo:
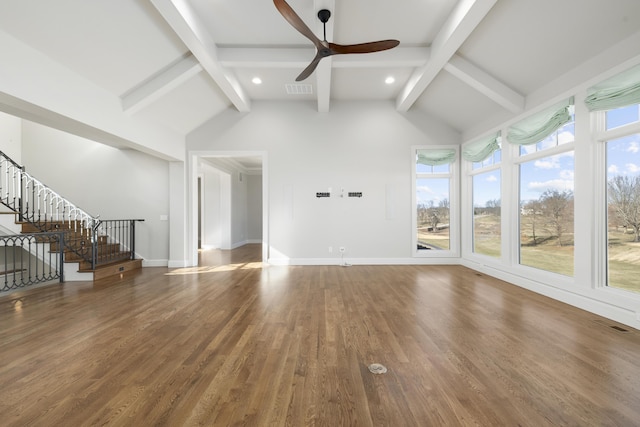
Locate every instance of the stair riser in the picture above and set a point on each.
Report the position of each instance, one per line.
(113, 253)
(84, 266)
(32, 228)
(113, 270)
(102, 241)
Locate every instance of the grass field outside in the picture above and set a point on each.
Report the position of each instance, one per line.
(487, 235)
(623, 252)
(438, 240)
(624, 261)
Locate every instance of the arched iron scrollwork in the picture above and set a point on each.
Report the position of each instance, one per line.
(29, 259)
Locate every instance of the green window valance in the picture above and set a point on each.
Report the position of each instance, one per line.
(480, 150)
(436, 156)
(618, 91)
(540, 125)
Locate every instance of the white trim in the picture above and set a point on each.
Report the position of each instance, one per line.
(599, 280)
(363, 261)
(585, 197)
(178, 263)
(602, 135)
(155, 263)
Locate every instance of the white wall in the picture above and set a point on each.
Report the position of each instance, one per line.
(254, 208)
(105, 181)
(51, 93)
(356, 147)
(238, 209)
(11, 136)
(215, 228)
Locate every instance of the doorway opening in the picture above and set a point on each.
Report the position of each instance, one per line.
(229, 210)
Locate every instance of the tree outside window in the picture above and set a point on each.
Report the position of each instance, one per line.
(623, 213)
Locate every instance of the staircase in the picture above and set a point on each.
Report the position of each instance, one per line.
(111, 257)
(92, 248)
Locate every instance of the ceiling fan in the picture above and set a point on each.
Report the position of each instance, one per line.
(323, 47)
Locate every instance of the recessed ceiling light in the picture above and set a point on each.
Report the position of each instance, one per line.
(389, 80)
(256, 80)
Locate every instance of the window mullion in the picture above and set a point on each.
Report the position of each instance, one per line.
(553, 151)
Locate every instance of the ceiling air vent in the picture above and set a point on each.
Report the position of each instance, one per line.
(298, 89)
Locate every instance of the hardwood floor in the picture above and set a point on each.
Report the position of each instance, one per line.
(236, 343)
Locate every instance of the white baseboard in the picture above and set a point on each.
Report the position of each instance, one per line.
(177, 263)
(155, 262)
(363, 261)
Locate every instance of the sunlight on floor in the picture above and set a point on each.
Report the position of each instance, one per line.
(215, 269)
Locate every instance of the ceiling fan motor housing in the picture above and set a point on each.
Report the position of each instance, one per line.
(324, 15)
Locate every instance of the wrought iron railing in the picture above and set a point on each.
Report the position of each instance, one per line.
(27, 259)
(113, 240)
(87, 239)
(33, 201)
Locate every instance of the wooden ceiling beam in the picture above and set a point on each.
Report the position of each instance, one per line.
(185, 22)
(466, 16)
(160, 84)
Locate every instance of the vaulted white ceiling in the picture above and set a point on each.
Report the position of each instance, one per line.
(177, 63)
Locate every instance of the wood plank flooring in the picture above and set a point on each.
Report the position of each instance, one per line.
(234, 342)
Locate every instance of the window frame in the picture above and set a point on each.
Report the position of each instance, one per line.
(516, 161)
(470, 174)
(454, 203)
(601, 136)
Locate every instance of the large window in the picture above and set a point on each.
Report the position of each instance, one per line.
(546, 213)
(434, 171)
(617, 101)
(546, 172)
(485, 156)
(623, 212)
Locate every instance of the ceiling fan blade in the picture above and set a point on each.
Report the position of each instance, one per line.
(323, 47)
(310, 68)
(338, 49)
(292, 17)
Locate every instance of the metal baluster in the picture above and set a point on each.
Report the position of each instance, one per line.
(20, 198)
(61, 256)
(132, 239)
(6, 275)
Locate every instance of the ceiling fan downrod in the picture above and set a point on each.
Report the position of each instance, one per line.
(323, 16)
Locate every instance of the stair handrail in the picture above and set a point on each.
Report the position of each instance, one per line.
(72, 211)
(13, 196)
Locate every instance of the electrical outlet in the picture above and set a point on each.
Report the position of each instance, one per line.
(330, 249)
(342, 249)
